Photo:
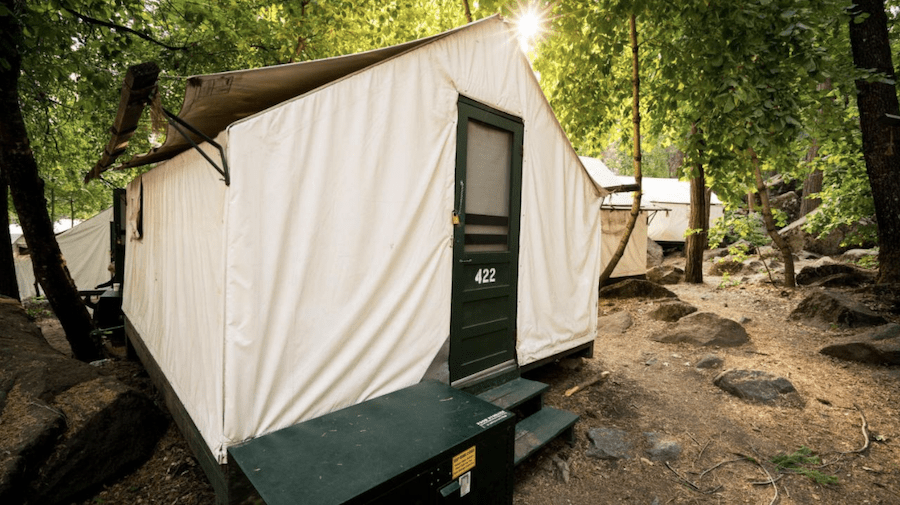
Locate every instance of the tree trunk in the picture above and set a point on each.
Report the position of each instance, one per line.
(786, 254)
(812, 185)
(872, 50)
(8, 285)
(27, 190)
(636, 120)
(698, 225)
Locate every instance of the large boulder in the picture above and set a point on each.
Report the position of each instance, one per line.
(665, 274)
(830, 309)
(758, 387)
(789, 203)
(834, 275)
(704, 329)
(655, 253)
(65, 428)
(672, 310)
(615, 323)
(635, 288)
(878, 346)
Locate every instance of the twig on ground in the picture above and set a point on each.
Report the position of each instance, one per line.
(717, 465)
(571, 391)
(689, 483)
(865, 432)
(701, 450)
(767, 482)
(772, 481)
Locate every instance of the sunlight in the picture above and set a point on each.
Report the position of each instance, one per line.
(530, 21)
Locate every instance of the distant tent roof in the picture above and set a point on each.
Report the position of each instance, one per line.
(214, 101)
(619, 186)
(673, 191)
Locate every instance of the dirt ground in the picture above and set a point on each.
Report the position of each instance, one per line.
(727, 443)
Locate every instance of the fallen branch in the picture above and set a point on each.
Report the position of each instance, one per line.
(602, 377)
(865, 431)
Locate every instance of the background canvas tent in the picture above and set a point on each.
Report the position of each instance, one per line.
(333, 268)
(85, 248)
(675, 197)
(614, 214)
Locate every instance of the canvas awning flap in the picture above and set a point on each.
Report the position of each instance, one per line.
(214, 101)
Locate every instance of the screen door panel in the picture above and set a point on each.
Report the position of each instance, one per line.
(485, 272)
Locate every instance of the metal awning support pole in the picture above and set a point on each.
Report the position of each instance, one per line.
(177, 123)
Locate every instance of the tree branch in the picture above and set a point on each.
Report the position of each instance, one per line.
(117, 27)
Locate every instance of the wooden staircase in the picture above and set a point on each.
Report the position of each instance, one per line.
(537, 424)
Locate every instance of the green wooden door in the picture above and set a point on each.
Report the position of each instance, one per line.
(486, 242)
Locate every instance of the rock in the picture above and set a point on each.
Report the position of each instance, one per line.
(572, 364)
(635, 288)
(654, 253)
(562, 466)
(789, 203)
(662, 447)
(64, 427)
(608, 443)
(665, 274)
(834, 275)
(757, 386)
(855, 255)
(878, 346)
(830, 245)
(614, 323)
(726, 265)
(710, 254)
(710, 361)
(672, 310)
(704, 329)
(826, 309)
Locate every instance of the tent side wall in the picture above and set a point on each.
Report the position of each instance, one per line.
(85, 249)
(174, 280)
(634, 259)
(339, 261)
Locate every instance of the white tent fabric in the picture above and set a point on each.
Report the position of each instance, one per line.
(321, 277)
(614, 214)
(85, 249)
(674, 195)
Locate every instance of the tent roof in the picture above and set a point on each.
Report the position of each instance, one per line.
(673, 191)
(619, 186)
(214, 101)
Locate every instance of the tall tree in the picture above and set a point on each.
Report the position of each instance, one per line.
(636, 132)
(876, 97)
(28, 193)
(8, 285)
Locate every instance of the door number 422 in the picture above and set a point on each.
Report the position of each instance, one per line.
(486, 275)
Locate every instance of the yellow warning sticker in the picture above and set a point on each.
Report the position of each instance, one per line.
(463, 462)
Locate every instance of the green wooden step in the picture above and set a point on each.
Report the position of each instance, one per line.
(540, 428)
(514, 393)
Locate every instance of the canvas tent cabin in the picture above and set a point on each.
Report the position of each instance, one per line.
(614, 213)
(398, 215)
(674, 196)
(85, 248)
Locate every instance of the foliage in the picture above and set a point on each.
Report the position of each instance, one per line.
(77, 51)
(799, 462)
(727, 281)
(736, 225)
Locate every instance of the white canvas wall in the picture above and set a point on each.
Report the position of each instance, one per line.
(85, 249)
(634, 259)
(174, 287)
(323, 272)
